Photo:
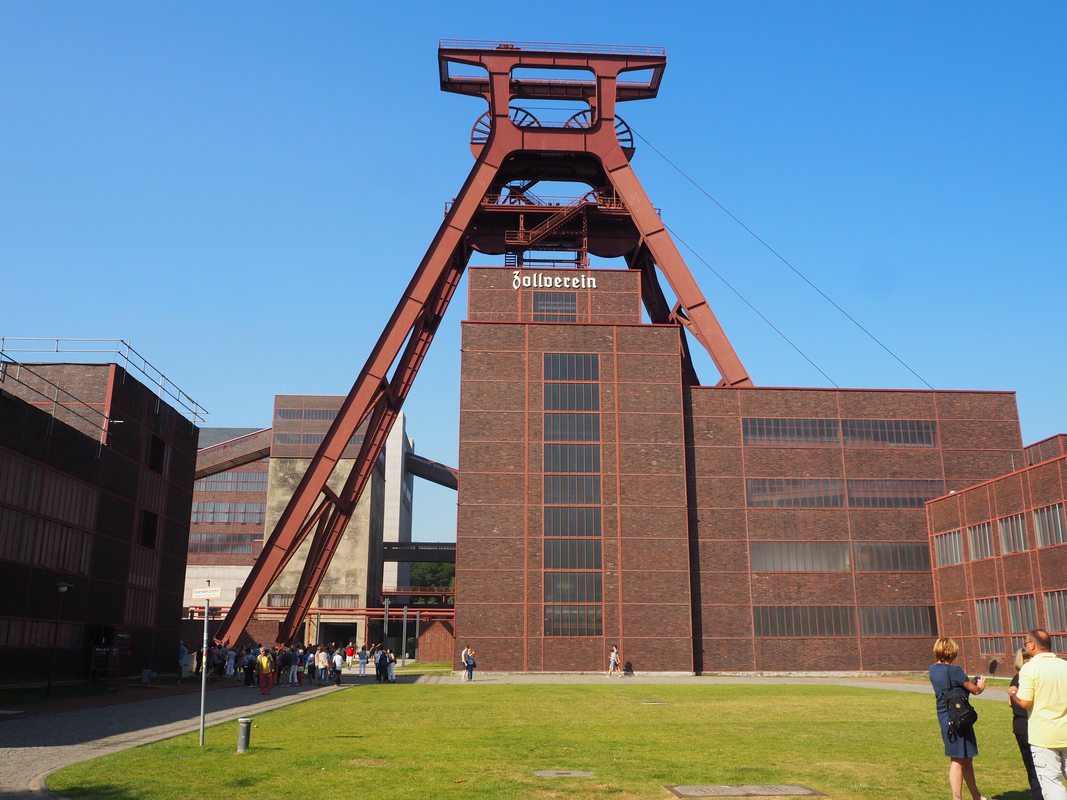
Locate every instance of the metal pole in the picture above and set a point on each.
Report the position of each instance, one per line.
(244, 733)
(204, 667)
(418, 619)
(385, 625)
(55, 642)
(404, 639)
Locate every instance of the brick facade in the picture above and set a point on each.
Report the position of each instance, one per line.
(678, 480)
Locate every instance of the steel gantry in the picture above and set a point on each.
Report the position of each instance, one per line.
(497, 212)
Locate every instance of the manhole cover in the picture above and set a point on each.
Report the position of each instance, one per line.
(745, 790)
(563, 773)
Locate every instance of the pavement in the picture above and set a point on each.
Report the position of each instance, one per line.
(51, 736)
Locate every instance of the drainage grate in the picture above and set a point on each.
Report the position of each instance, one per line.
(565, 773)
(745, 790)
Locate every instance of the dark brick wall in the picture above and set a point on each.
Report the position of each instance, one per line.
(119, 473)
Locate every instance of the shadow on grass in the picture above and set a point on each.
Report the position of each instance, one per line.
(1014, 795)
(105, 792)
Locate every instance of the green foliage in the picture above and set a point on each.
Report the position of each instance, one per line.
(433, 574)
(485, 741)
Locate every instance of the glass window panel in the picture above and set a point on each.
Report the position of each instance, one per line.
(555, 306)
(889, 433)
(987, 612)
(572, 458)
(803, 621)
(892, 493)
(898, 621)
(891, 556)
(1013, 534)
(572, 367)
(572, 521)
(776, 432)
(572, 396)
(1049, 524)
(1056, 611)
(574, 620)
(583, 490)
(572, 427)
(980, 539)
(1022, 613)
(794, 493)
(949, 548)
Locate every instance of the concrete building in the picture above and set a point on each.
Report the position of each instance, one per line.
(96, 478)
(1000, 557)
(604, 501)
(235, 508)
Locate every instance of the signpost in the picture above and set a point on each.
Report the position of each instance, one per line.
(205, 593)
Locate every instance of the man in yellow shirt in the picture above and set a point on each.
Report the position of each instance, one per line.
(1043, 692)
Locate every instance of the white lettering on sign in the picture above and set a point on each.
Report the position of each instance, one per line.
(539, 280)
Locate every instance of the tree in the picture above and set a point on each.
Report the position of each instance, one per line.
(425, 573)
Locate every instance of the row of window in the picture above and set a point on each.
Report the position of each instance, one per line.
(572, 521)
(572, 458)
(571, 502)
(39, 633)
(1049, 530)
(230, 512)
(306, 413)
(325, 600)
(555, 307)
(233, 482)
(1009, 645)
(772, 622)
(26, 485)
(1022, 613)
(310, 438)
(777, 432)
(837, 493)
(573, 554)
(29, 540)
(839, 556)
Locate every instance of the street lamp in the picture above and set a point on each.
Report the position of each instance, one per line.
(61, 587)
(959, 616)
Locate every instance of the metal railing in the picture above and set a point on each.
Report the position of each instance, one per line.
(603, 200)
(551, 47)
(123, 350)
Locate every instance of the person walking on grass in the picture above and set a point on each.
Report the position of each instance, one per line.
(471, 664)
(961, 748)
(1043, 693)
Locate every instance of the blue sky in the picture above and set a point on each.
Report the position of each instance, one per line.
(243, 191)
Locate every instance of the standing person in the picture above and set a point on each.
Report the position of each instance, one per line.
(231, 658)
(1043, 693)
(249, 665)
(182, 653)
(322, 667)
(379, 665)
(350, 655)
(463, 665)
(298, 666)
(362, 655)
(961, 749)
(265, 668)
(1020, 728)
(338, 665)
(285, 667)
(613, 662)
(470, 664)
(390, 666)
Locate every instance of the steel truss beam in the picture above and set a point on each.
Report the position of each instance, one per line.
(378, 395)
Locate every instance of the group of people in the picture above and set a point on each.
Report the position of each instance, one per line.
(269, 666)
(1038, 699)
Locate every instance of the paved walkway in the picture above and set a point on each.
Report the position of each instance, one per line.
(43, 741)
(40, 743)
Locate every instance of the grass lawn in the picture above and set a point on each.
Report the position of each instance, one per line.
(484, 741)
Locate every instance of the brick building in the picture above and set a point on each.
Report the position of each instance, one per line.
(604, 501)
(1000, 557)
(96, 476)
(233, 509)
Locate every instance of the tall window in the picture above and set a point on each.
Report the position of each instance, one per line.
(573, 556)
(1049, 524)
(1022, 613)
(1013, 534)
(980, 538)
(949, 548)
(987, 612)
(1056, 611)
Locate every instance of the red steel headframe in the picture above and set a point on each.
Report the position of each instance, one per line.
(378, 394)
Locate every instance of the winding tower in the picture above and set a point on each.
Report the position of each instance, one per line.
(500, 211)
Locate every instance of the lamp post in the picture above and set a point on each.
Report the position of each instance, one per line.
(959, 616)
(61, 587)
